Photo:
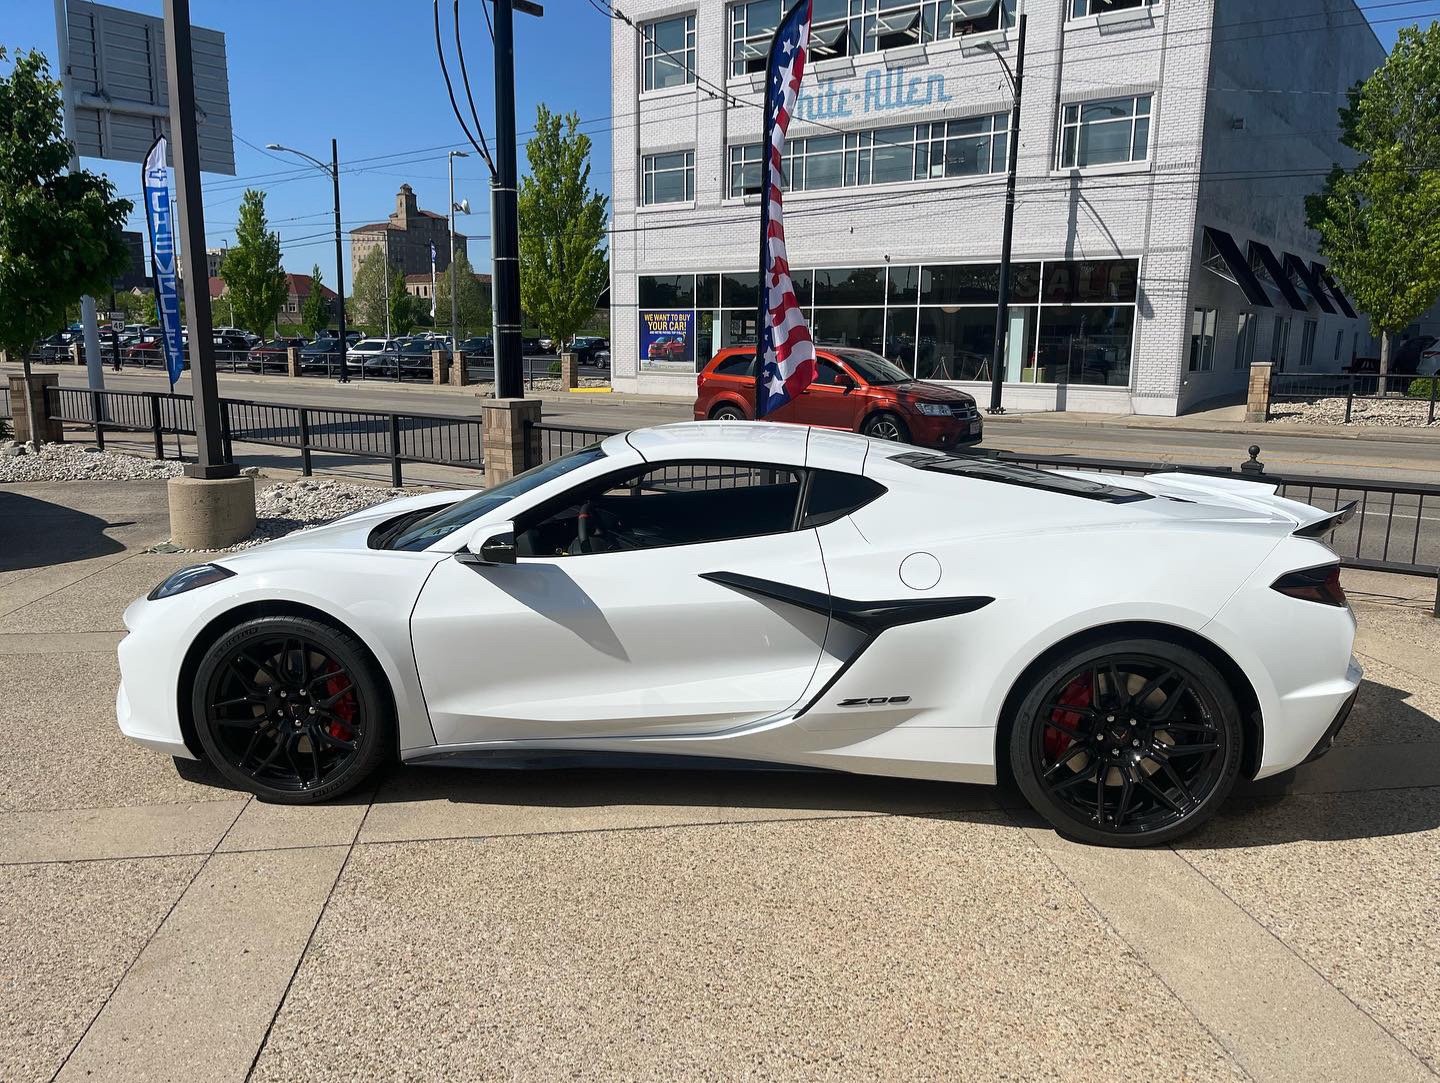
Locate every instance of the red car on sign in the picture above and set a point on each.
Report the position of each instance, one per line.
(667, 348)
(854, 389)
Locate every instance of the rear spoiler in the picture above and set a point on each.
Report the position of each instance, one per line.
(1318, 528)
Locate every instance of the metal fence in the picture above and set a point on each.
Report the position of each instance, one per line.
(441, 439)
(557, 440)
(1411, 398)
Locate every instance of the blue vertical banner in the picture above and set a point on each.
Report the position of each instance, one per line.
(156, 181)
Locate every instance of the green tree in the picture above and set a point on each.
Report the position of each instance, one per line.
(472, 300)
(252, 270)
(404, 308)
(59, 228)
(563, 266)
(1379, 223)
(367, 304)
(315, 312)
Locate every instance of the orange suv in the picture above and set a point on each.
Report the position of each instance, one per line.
(854, 389)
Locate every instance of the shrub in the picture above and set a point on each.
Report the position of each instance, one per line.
(1423, 388)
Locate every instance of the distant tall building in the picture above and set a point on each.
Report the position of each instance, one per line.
(411, 232)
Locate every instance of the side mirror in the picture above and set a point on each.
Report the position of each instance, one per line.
(845, 381)
(495, 546)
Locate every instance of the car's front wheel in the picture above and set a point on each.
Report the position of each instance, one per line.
(885, 426)
(726, 412)
(292, 710)
(1129, 742)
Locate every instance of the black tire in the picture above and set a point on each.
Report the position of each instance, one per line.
(1127, 742)
(276, 716)
(886, 426)
(726, 412)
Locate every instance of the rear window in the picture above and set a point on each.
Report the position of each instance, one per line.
(1010, 474)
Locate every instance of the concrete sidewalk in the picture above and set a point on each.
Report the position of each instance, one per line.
(455, 925)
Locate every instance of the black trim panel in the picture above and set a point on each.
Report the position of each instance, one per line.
(1239, 267)
(1335, 291)
(1297, 266)
(870, 618)
(1277, 275)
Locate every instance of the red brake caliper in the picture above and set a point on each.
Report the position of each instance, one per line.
(342, 725)
(1076, 694)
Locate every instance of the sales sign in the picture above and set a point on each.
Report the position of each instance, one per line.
(667, 335)
(162, 256)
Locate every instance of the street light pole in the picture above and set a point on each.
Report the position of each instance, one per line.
(505, 217)
(333, 169)
(454, 307)
(179, 69)
(1002, 312)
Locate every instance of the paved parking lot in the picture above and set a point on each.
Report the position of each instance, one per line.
(652, 925)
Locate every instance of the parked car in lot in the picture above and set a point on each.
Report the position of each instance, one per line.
(1429, 363)
(146, 349)
(587, 347)
(478, 346)
(55, 350)
(854, 389)
(322, 355)
(273, 356)
(367, 348)
(533, 346)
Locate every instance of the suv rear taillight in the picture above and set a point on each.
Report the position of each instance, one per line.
(1320, 584)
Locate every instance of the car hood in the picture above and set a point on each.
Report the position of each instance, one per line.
(928, 392)
(351, 531)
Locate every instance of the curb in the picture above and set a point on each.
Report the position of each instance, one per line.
(1396, 434)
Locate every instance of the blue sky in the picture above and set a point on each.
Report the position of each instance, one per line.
(364, 72)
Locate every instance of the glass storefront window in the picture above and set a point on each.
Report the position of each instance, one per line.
(956, 343)
(850, 286)
(1094, 282)
(707, 291)
(960, 284)
(667, 291)
(903, 285)
(1085, 345)
(739, 290)
(863, 327)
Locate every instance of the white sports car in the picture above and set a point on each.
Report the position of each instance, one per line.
(1124, 649)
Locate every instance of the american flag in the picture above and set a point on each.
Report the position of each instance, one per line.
(787, 352)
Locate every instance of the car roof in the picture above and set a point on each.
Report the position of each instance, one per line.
(795, 445)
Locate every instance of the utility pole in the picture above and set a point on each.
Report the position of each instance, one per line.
(387, 285)
(94, 365)
(454, 307)
(505, 213)
(339, 264)
(179, 69)
(1002, 312)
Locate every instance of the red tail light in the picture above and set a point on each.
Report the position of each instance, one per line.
(1320, 584)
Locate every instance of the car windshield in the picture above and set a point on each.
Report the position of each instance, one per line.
(874, 368)
(425, 532)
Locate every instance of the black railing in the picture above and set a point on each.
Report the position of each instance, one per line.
(556, 440)
(439, 439)
(1400, 399)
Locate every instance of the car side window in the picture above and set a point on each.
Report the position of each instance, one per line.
(663, 505)
(739, 365)
(833, 495)
(829, 374)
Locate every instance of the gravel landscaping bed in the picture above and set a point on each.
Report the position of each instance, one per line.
(542, 383)
(78, 462)
(1404, 413)
(288, 506)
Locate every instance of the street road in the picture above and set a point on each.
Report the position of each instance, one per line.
(1349, 453)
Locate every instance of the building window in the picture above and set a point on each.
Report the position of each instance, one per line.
(1339, 339)
(1245, 339)
(1202, 340)
(1105, 132)
(1280, 342)
(668, 178)
(852, 27)
(972, 146)
(1307, 343)
(1081, 8)
(667, 52)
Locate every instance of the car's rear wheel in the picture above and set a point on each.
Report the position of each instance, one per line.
(1129, 742)
(726, 412)
(886, 426)
(291, 709)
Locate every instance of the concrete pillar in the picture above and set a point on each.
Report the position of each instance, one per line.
(458, 376)
(569, 370)
(439, 367)
(292, 361)
(1257, 399)
(211, 513)
(50, 431)
(508, 442)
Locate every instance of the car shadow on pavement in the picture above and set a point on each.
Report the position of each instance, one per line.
(38, 533)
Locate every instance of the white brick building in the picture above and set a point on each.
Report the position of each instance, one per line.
(1154, 133)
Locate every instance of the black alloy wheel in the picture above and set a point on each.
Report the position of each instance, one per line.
(1129, 743)
(291, 710)
(886, 426)
(726, 413)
